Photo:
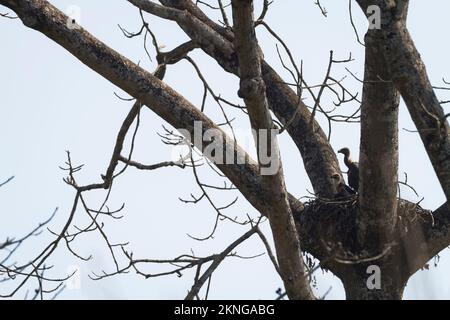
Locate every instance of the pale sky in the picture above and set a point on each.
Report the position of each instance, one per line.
(52, 103)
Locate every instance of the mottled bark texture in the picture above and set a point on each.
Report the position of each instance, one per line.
(378, 158)
(253, 91)
(372, 228)
(410, 77)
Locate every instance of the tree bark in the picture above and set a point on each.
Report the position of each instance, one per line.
(378, 159)
(253, 91)
(410, 78)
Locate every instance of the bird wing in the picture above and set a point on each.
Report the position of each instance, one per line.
(353, 175)
(349, 190)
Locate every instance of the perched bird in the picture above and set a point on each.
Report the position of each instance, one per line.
(343, 190)
(353, 169)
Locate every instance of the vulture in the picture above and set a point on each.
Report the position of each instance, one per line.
(343, 190)
(353, 169)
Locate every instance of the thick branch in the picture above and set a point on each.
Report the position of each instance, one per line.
(252, 90)
(378, 160)
(425, 241)
(411, 79)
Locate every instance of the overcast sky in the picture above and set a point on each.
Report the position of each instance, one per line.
(51, 103)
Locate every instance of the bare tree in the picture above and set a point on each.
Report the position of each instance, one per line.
(348, 231)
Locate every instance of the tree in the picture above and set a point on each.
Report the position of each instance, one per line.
(356, 237)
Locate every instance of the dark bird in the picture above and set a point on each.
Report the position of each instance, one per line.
(353, 169)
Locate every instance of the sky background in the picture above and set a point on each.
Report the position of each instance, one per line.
(52, 103)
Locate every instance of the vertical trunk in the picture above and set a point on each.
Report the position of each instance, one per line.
(378, 150)
(356, 289)
(377, 280)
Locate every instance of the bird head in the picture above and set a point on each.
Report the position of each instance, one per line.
(345, 152)
(337, 178)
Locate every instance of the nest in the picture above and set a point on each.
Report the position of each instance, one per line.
(328, 224)
(324, 222)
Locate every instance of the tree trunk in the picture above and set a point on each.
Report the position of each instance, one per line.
(356, 288)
